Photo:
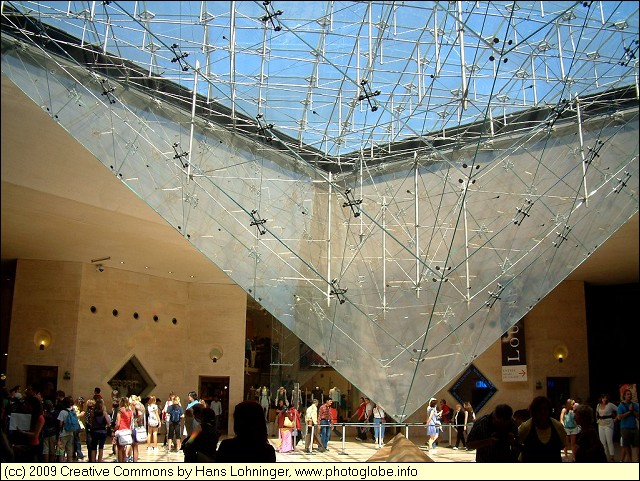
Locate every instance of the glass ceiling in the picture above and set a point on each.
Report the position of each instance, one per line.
(404, 181)
(313, 69)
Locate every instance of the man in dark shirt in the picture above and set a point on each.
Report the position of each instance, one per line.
(494, 436)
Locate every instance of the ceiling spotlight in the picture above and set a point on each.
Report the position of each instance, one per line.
(99, 268)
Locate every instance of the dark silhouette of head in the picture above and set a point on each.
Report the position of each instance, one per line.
(502, 416)
(249, 422)
(207, 418)
(196, 411)
(541, 410)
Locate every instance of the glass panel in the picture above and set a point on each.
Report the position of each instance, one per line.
(473, 387)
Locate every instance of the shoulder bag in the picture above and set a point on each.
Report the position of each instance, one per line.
(140, 432)
(124, 436)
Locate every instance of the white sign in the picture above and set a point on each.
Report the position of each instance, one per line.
(514, 373)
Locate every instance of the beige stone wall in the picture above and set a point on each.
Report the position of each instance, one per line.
(57, 296)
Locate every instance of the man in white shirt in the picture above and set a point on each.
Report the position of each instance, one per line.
(216, 406)
(311, 422)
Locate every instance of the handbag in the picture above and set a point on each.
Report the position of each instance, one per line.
(288, 423)
(124, 437)
(140, 432)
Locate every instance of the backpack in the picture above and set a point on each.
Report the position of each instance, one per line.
(99, 423)
(50, 424)
(175, 414)
(71, 423)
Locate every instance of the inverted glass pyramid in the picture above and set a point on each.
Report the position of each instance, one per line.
(397, 183)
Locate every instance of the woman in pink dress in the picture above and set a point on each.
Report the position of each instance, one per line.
(284, 418)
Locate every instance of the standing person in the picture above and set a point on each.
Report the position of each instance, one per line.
(99, 422)
(285, 422)
(541, 437)
(165, 414)
(201, 446)
(250, 444)
(79, 407)
(494, 436)
(296, 434)
(471, 415)
(589, 449)
(325, 419)
(115, 406)
(568, 421)
(124, 419)
(378, 425)
(459, 419)
(189, 419)
(445, 418)
(606, 413)
(33, 435)
(361, 416)
(369, 414)
(49, 432)
(628, 415)
(66, 431)
(138, 411)
(175, 416)
(446, 411)
(432, 424)
(313, 428)
(216, 406)
(91, 404)
(153, 421)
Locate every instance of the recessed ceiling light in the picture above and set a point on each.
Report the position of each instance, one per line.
(170, 272)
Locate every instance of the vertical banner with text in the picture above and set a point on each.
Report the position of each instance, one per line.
(514, 354)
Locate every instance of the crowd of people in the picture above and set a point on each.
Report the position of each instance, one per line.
(64, 429)
(503, 436)
(58, 430)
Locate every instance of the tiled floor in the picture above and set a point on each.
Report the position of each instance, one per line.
(349, 451)
(356, 451)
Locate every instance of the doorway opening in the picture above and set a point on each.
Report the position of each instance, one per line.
(43, 379)
(217, 386)
(558, 392)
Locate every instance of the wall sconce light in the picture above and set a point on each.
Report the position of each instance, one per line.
(215, 354)
(42, 339)
(560, 352)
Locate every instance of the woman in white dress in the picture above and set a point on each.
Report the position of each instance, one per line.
(606, 413)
